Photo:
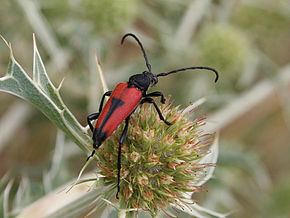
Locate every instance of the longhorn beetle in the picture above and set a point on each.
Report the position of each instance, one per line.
(124, 100)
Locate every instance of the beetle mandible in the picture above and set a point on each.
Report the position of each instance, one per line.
(123, 101)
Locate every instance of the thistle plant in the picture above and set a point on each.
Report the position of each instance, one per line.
(162, 166)
(159, 163)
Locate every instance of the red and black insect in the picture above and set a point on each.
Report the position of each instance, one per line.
(123, 101)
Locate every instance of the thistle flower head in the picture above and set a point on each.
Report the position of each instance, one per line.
(159, 162)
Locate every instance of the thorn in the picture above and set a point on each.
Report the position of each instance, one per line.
(33, 38)
(80, 174)
(11, 51)
(34, 43)
(61, 112)
(8, 44)
(60, 84)
(2, 37)
(110, 203)
(97, 59)
(101, 74)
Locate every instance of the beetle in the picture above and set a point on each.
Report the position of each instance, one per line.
(124, 100)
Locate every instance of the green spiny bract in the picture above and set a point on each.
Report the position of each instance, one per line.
(159, 162)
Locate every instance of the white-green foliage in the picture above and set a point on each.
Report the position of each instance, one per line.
(41, 93)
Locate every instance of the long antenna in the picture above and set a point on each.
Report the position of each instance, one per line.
(191, 68)
(141, 46)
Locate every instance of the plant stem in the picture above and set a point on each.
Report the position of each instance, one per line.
(122, 213)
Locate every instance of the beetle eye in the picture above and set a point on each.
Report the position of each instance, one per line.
(154, 80)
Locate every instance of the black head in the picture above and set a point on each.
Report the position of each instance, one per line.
(146, 79)
(143, 80)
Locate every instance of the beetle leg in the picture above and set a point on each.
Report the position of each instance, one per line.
(121, 141)
(151, 101)
(157, 94)
(92, 154)
(108, 93)
(90, 118)
(94, 116)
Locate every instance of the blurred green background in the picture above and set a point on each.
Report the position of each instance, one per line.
(248, 42)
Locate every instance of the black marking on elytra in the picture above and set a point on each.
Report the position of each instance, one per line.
(116, 102)
(99, 136)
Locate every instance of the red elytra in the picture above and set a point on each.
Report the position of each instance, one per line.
(122, 102)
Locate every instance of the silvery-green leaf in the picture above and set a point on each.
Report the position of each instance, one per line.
(41, 93)
(41, 78)
(76, 202)
(198, 211)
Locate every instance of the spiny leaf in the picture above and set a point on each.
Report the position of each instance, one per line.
(41, 93)
(41, 78)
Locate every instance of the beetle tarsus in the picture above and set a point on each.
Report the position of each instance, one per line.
(167, 123)
(151, 101)
(92, 154)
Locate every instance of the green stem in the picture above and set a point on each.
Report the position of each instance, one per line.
(122, 213)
